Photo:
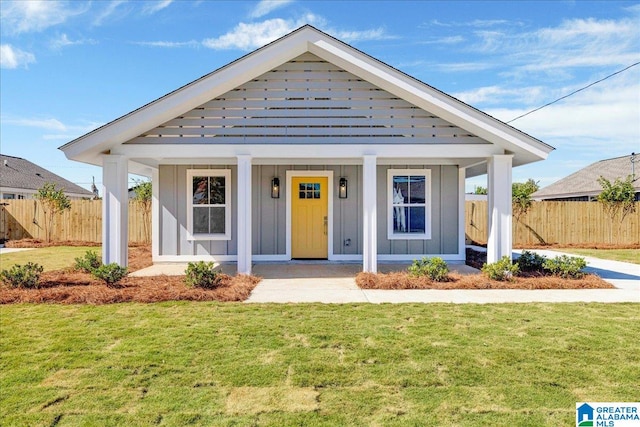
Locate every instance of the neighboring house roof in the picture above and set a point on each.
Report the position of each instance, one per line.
(585, 181)
(307, 39)
(19, 173)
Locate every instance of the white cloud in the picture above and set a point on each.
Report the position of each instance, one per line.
(11, 57)
(156, 6)
(32, 16)
(253, 35)
(575, 43)
(444, 40)
(61, 130)
(264, 7)
(48, 124)
(168, 44)
(108, 11)
(247, 36)
(63, 41)
(354, 36)
(492, 95)
(601, 116)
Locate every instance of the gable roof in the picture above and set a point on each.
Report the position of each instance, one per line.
(19, 173)
(585, 181)
(88, 148)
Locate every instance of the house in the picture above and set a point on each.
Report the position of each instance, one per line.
(21, 179)
(583, 185)
(306, 148)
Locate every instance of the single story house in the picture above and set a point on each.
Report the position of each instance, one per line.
(583, 185)
(306, 148)
(21, 179)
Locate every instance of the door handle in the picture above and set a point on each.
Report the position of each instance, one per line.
(326, 225)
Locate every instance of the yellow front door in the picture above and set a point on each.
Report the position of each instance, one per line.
(309, 217)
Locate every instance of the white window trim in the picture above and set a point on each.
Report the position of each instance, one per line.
(226, 173)
(427, 211)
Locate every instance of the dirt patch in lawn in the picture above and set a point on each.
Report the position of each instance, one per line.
(402, 280)
(73, 287)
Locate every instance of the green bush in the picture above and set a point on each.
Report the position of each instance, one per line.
(202, 275)
(531, 261)
(501, 270)
(22, 276)
(567, 267)
(110, 273)
(434, 268)
(88, 263)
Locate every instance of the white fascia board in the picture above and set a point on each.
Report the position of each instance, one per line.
(87, 147)
(429, 99)
(311, 151)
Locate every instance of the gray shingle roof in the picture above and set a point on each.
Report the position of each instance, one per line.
(585, 181)
(20, 173)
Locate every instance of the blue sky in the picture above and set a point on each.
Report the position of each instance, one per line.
(69, 67)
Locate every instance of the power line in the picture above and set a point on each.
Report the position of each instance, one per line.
(574, 92)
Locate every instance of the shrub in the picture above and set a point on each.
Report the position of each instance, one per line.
(22, 276)
(567, 267)
(531, 261)
(202, 275)
(501, 270)
(435, 268)
(88, 263)
(110, 273)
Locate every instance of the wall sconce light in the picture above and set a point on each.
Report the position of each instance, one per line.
(275, 188)
(342, 189)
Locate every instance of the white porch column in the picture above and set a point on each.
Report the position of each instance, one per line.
(115, 209)
(370, 221)
(155, 214)
(244, 214)
(499, 241)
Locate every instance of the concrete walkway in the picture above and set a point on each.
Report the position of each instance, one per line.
(10, 250)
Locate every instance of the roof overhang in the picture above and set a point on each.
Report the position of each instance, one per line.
(89, 148)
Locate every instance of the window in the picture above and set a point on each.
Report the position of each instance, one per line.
(409, 203)
(8, 196)
(309, 191)
(209, 204)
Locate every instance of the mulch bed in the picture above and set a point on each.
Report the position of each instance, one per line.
(403, 280)
(72, 287)
(476, 259)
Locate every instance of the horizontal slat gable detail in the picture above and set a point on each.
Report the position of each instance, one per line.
(308, 98)
(311, 140)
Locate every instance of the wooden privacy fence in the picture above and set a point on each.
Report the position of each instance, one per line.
(559, 222)
(546, 222)
(24, 219)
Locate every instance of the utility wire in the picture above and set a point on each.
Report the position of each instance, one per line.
(573, 93)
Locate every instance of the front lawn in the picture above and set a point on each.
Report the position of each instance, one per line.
(184, 363)
(51, 258)
(625, 255)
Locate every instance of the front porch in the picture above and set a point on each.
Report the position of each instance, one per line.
(308, 281)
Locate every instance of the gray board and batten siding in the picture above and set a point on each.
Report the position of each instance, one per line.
(269, 214)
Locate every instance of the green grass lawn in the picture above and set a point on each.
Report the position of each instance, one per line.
(51, 258)
(217, 364)
(626, 255)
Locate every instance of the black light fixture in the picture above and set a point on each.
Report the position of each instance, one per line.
(342, 189)
(275, 188)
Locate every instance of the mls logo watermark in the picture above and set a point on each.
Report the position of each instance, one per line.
(608, 414)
